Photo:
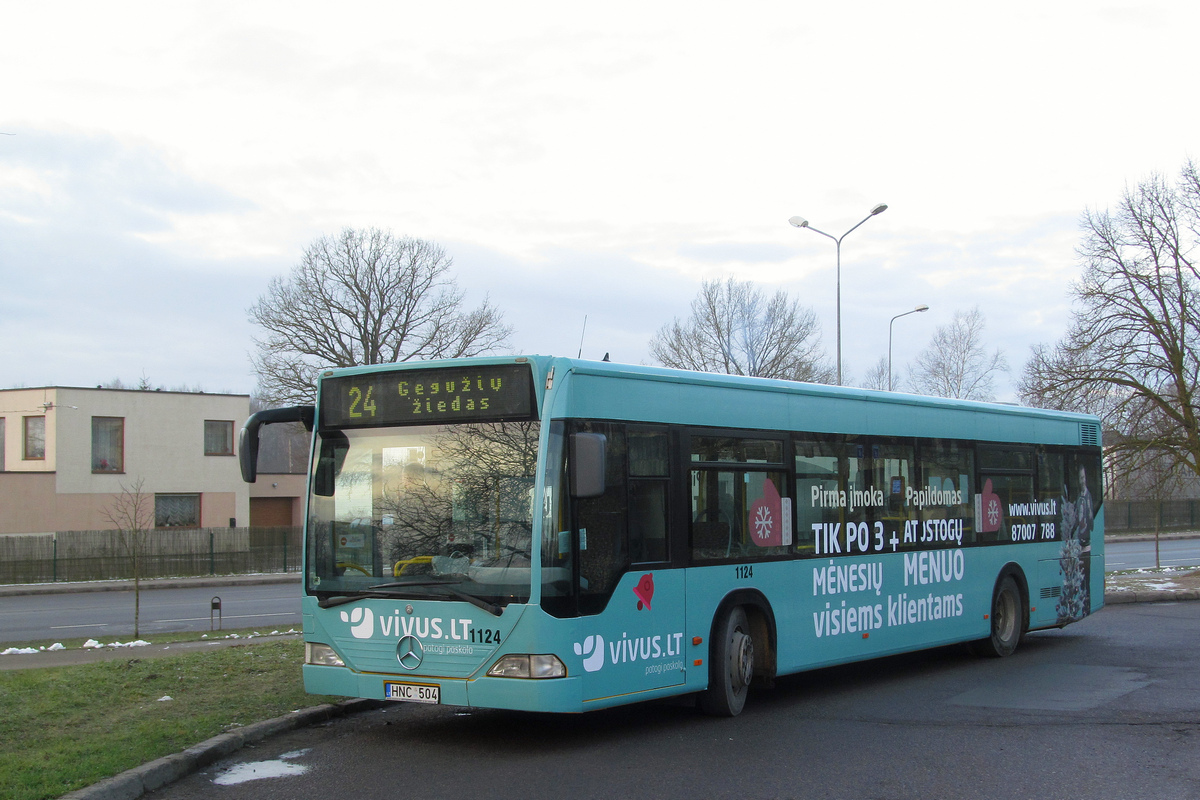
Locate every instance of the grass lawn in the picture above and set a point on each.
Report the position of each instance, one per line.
(64, 728)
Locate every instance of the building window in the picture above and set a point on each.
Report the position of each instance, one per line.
(177, 511)
(218, 437)
(35, 438)
(108, 444)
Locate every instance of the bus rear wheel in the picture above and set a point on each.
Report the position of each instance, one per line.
(731, 666)
(1008, 621)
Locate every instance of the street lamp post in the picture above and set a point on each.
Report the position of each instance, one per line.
(801, 222)
(916, 310)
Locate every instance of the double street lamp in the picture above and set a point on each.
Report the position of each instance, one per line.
(916, 310)
(801, 222)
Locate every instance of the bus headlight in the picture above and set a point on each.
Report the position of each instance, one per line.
(321, 655)
(528, 666)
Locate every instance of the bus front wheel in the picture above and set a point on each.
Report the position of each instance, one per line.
(731, 666)
(1008, 621)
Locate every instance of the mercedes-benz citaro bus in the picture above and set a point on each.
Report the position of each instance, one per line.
(551, 534)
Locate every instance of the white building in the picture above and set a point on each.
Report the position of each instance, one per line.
(66, 455)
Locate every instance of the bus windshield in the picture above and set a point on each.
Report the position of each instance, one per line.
(440, 511)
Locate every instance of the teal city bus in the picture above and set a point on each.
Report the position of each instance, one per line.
(552, 534)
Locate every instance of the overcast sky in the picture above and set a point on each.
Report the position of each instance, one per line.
(168, 159)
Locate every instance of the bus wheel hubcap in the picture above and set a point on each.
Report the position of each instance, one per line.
(742, 658)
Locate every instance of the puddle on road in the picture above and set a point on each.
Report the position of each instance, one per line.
(258, 770)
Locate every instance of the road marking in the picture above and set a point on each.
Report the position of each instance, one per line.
(93, 625)
(234, 616)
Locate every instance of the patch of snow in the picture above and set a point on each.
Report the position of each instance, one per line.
(18, 651)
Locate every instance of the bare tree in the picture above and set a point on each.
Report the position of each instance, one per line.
(1160, 478)
(956, 363)
(736, 329)
(1130, 351)
(131, 514)
(877, 377)
(364, 297)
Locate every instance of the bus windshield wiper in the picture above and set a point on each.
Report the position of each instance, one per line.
(331, 599)
(426, 582)
(445, 584)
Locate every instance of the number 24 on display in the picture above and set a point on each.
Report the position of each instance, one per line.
(368, 405)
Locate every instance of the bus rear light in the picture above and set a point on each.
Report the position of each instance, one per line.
(321, 655)
(528, 666)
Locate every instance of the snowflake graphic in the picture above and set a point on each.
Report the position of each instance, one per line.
(993, 512)
(763, 523)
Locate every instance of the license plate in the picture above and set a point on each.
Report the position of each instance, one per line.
(412, 692)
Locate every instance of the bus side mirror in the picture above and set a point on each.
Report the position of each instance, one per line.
(248, 440)
(587, 464)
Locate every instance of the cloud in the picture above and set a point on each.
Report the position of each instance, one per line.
(94, 183)
(169, 160)
(547, 298)
(87, 297)
(737, 252)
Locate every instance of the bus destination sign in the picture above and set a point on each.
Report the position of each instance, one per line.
(477, 393)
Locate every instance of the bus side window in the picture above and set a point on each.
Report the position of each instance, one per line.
(818, 487)
(602, 523)
(647, 521)
(738, 493)
(1005, 483)
(714, 514)
(1052, 479)
(947, 470)
(649, 471)
(892, 474)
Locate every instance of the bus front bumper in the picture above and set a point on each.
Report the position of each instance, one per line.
(518, 694)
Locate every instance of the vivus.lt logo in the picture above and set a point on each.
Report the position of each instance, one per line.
(362, 622)
(592, 650)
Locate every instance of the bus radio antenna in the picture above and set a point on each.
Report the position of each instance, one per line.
(581, 335)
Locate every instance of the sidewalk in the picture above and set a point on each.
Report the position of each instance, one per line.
(1152, 586)
(1160, 586)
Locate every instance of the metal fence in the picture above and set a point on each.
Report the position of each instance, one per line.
(1146, 516)
(105, 555)
(102, 555)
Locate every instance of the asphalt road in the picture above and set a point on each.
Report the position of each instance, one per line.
(1106, 708)
(1140, 554)
(108, 616)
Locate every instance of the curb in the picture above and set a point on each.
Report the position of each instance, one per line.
(1152, 596)
(1149, 537)
(133, 783)
(207, 582)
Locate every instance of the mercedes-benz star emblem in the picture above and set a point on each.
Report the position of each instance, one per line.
(409, 652)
